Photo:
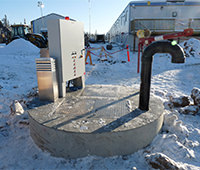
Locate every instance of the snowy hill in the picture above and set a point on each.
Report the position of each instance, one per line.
(19, 47)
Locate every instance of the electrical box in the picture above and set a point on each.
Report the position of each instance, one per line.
(66, 45)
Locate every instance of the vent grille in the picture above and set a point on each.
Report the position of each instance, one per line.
(45, 64)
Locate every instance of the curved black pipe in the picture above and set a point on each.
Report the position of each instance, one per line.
(178, 56)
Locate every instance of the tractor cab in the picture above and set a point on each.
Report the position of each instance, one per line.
(19, 31)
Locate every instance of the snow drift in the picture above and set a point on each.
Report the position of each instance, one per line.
(20, 47)
(191, 48)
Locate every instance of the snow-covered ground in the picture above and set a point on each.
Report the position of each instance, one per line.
(177, 145)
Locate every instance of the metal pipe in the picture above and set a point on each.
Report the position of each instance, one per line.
(178, 56)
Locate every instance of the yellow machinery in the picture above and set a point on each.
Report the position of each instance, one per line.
(23, 31)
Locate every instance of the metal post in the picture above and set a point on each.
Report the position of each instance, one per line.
(89, 17)
(41, 5)
(138, 66)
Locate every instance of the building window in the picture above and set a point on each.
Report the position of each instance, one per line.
(126, 15)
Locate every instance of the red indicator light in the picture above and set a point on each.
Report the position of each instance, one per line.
(67, 18)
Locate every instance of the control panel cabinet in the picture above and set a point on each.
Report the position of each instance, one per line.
(66, 45)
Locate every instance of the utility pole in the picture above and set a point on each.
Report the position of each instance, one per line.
(41, 6)
(89, 1)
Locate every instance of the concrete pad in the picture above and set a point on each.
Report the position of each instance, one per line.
(102, 120)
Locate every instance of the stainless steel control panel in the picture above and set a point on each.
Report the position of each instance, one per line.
(66, 45)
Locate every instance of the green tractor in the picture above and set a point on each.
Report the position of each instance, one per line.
(23, 31)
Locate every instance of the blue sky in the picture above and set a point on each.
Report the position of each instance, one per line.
(103, 12)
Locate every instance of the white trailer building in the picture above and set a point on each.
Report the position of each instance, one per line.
(159, 17)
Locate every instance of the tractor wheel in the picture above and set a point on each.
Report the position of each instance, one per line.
(37, 43)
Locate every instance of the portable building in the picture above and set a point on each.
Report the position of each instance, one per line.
(40, 24)
(159, 17)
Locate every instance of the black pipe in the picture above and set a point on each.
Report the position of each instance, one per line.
(178, 56)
